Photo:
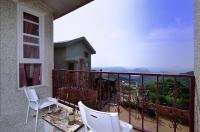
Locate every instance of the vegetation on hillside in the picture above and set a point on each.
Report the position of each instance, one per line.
(166, 89)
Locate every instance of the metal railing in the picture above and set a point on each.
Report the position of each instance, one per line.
(150, 102)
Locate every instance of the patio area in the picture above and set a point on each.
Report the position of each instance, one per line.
(16, 123)
(114, 93)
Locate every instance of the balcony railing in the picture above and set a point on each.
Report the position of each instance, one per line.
(150, 102)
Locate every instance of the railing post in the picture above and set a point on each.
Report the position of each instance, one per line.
(119, 94)
(129, 96)
(53, 84)
(191, 103)
(142, 102)
(157, 102)
(100, 90)
(174, 105)
(108, 88)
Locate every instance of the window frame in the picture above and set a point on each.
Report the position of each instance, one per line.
(20, 52)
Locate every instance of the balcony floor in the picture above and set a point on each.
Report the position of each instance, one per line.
(149, 123)
(16, 123)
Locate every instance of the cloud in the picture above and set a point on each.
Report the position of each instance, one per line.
(171, 35)
(115, 30)
(170, 46)
(100, 24)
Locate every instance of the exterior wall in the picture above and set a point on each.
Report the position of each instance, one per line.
(12, 99)
(0, 53)
(59, 56)
(77, 50)
(197, 63)
(73, 51)
(88, 59)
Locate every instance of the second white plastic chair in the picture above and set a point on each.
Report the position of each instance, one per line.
(98, 121)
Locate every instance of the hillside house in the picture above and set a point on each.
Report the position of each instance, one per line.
(73, 55)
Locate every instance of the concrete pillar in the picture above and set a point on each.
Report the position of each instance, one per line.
(197, 63)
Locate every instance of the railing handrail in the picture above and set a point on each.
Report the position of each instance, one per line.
(131, 73)
(77, 77)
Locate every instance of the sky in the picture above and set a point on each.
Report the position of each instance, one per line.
(133, 33)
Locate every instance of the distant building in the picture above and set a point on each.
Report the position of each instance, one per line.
(73, 55)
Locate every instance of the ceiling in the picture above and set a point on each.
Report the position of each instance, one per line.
(63, 7)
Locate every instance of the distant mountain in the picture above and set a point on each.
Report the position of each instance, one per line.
(147, 79)
(110, 69)
(171, 70)
(189, 73)
(141, 70)
(122, 69)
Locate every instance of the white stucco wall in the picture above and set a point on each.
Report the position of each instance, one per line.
(13, 100)
(197, 63)
(0, 54)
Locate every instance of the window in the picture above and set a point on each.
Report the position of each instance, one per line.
(86, 64)
(86, 54)
(70, 66)
(30, 48)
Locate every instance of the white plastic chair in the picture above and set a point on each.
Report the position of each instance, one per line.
(98, 121)
(37, 104)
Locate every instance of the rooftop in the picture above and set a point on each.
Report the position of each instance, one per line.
(68, 43)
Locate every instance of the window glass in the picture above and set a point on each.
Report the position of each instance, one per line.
(31, 51)
(29, 74)
(31, 17)
(31, 28)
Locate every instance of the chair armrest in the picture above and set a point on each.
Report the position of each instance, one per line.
(52, 99)
(126, 127)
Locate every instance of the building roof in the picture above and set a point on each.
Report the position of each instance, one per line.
(75, 41)
(63, 7)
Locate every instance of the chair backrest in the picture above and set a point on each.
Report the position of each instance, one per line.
(31, 94)
(98, 121)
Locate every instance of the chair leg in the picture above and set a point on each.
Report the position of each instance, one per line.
(86, 129)
(49, 109)
(36, 122)
(27, 114)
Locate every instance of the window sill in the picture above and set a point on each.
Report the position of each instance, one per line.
(36, 86)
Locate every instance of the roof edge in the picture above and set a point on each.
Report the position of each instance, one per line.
(69, 11)
(83, 39)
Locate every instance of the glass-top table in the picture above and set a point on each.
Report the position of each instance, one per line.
(58, 120)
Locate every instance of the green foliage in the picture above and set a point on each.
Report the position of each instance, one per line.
(166, 90)
(169, 100)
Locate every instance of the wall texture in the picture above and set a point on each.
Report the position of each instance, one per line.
(13, 100)
(0, 54)
(197, 63)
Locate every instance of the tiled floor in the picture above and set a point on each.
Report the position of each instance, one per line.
(16, 123)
